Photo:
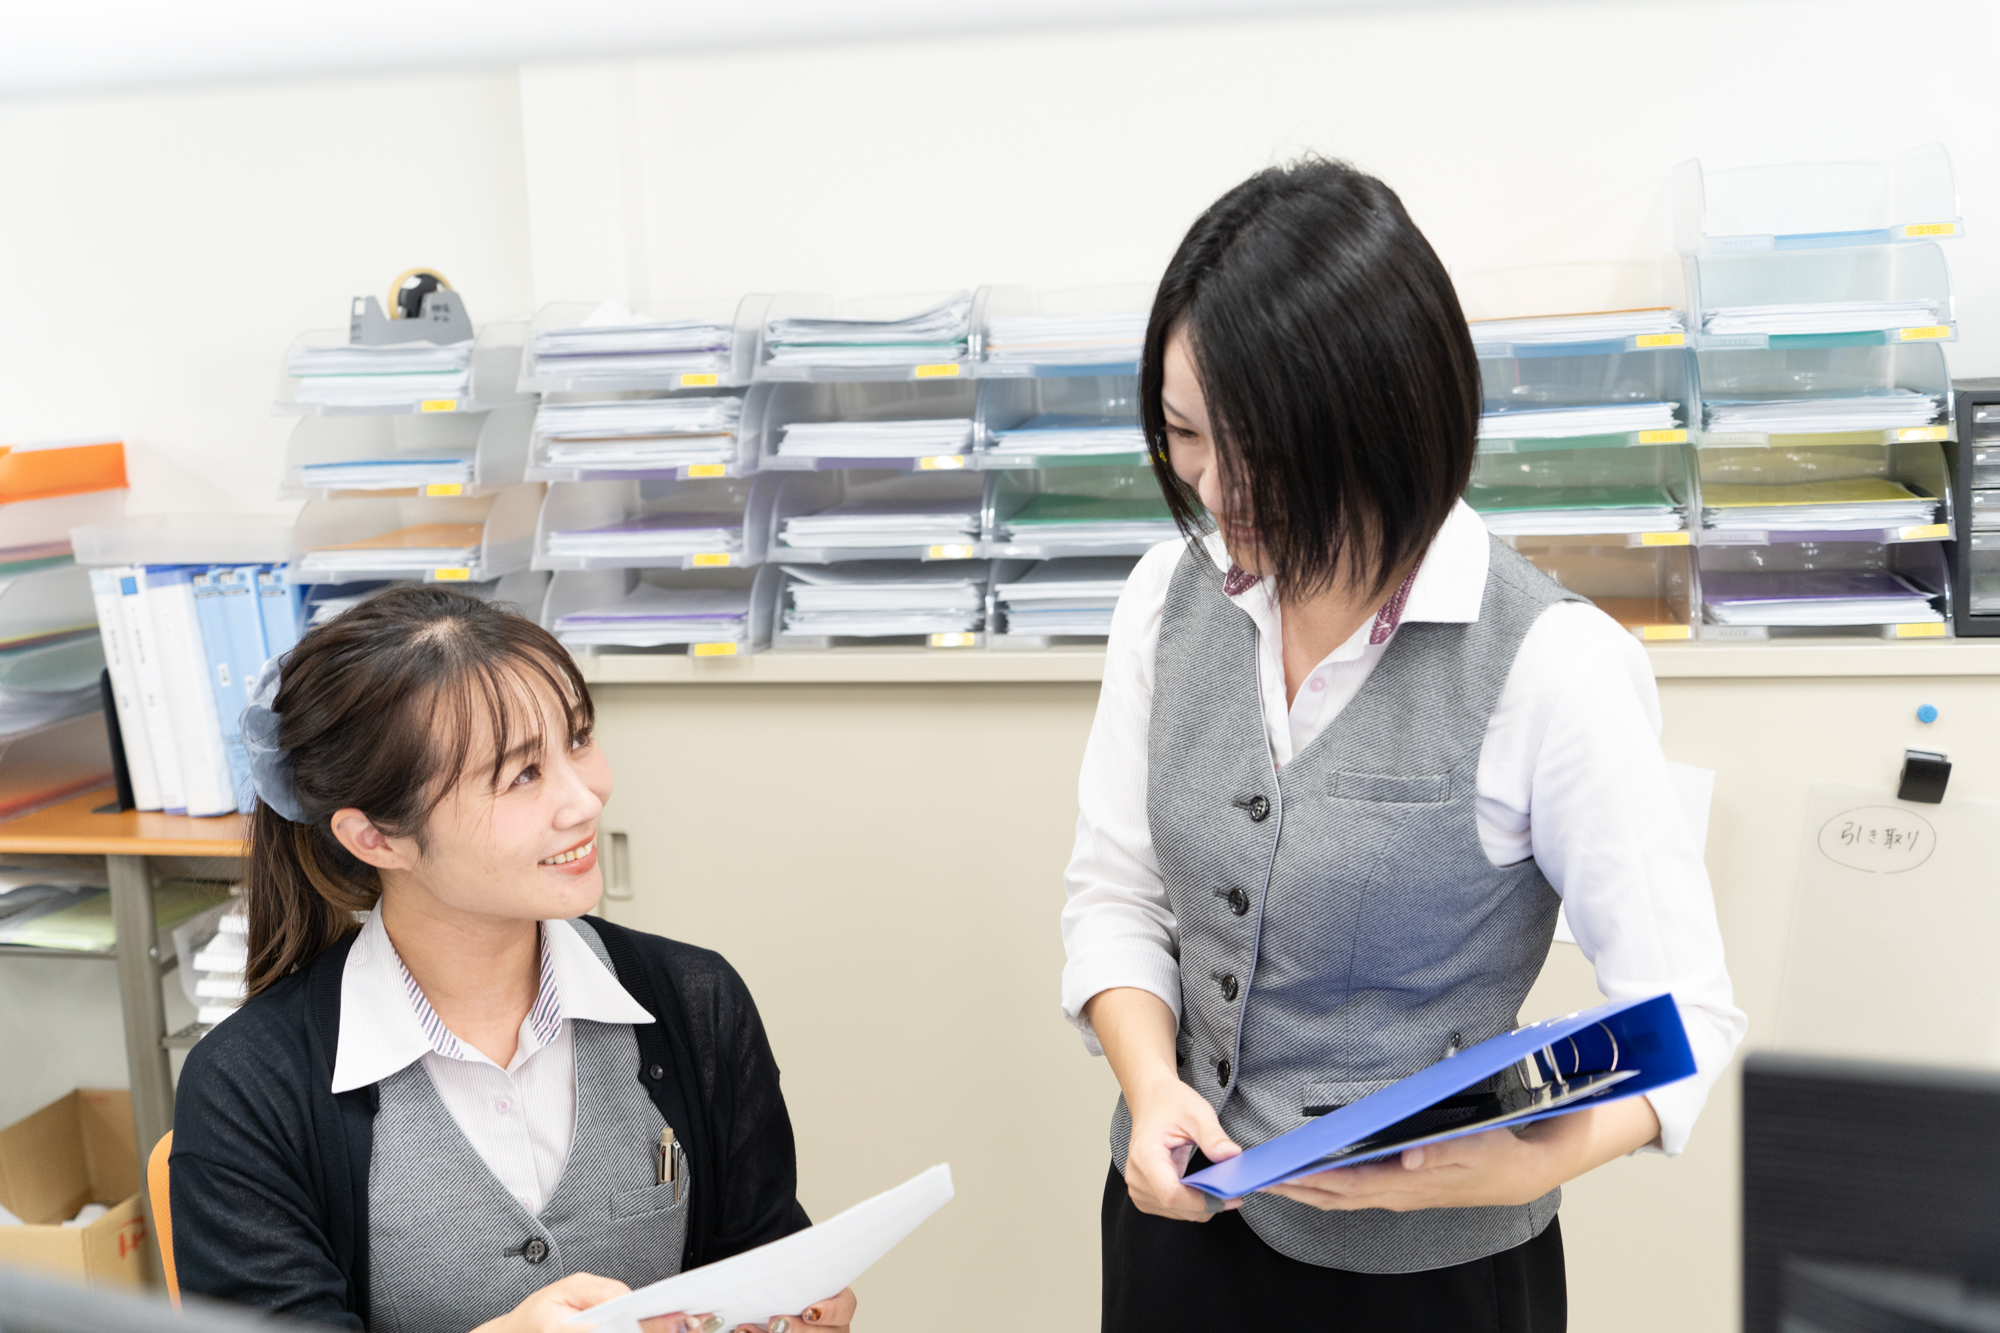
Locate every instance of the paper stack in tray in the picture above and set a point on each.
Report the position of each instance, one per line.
(1093, 520)
(1890, 409)
(884, 521)
(1571, 422)
(396, 375)
(1596, 326)
(654, 536)
(417, 546)
(638, 433)
(884, 598)
(1856, 505)
(1575, 510)
(937, 333)
(614, 345)
(1819, 317)
(1070, 596)
(653, 617)
(875, 439)
(387, 474)
(1108, 338)
(1813, 597)
(1068, 434)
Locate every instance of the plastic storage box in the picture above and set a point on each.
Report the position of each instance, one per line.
(1650, 590)
(471, 539)
(1975, 564)
(719, 524)
(493, 380)
(1060, 422)
(1814, 205)
(437, 454)
(1083, 331)
(1902, 392)
(773, 411)
(1846, 297)
(566, 352)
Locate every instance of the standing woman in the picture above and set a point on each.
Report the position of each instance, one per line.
(450, 1102)
(1351, 755)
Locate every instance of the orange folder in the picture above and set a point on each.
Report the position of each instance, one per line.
(39, 474)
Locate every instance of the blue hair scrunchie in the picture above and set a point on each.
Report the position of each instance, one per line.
(270, 766)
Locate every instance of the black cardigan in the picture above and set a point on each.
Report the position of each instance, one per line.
(270, 1168)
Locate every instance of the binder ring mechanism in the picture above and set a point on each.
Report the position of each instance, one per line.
(1544, 1067)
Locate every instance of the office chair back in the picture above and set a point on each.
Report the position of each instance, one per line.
(163, 1222)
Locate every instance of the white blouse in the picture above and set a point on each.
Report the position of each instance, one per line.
(1570, 773)
(519, 1119)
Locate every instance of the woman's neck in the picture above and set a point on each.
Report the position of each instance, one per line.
(1314, 625)
(480, 973)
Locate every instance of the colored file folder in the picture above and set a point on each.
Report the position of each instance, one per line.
(1544, 1069)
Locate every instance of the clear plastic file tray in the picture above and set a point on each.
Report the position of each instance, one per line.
(1983, 588)
(812, 493)
(439, 454)
(1800, 375)
(496, 370)
(1585, 309)
(1919, 467)
(183, 539)
(573, 592)
(1650, 590)
(1075, 511)
(1107, 343)
(942, 362)
(655, 524)
(1012, 412)
(1816, 205)
(784, 641)
(772, 408)
(699, 450)
(1864, 296)
(602, 372)
(1921, 563)
(41, 600)
(468, 539)
(1525, 400)
(1640, 497)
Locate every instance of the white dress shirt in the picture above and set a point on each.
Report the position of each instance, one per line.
(519, 1119)
(1570, 773)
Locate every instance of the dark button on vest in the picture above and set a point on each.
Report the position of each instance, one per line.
(535, 1250)
(1228, 985)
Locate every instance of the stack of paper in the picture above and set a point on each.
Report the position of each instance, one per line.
(875, 439)
(387, 474)
(420, 546)
(1562, 422)
(1067, 340)
(1888, 409)
(880, 598)
(652, 536)
(1093, 520)
(1814, 597)
(1068, 434)
(613, 345)
(650, 617)
(1072, 596)
(1553, 511)
(854, 524)
(1819, 317)
(1598, 326)
(81, 921)
(398, 375)
(936, 334)
(1857, 505)
(218, 965)
(638, 432)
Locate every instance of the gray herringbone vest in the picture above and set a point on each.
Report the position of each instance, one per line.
(1367, 930)
(446, 1240)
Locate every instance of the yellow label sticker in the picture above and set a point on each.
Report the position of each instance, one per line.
(1665, 539)
(1662, 633)
(942, 463)
(1927, 532)
(712, 649)
(1920, 433)
(708, 469)
(953, 552)
(943, 370)
(1663, 437)
(1660, 340)
(444, 488)
(954, 640)
(692, 380)
(1925, 333)
(1931, 229)
(459, 574)
(1929, 630)
(438, 405)
(709, 559)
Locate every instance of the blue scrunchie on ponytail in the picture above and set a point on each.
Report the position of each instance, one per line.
(270, 766)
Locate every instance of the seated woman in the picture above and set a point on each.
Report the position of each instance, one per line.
(450, 1102)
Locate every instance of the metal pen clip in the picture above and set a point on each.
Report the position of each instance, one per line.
(667, 1162)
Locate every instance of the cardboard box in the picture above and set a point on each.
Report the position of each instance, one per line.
(78, 1149)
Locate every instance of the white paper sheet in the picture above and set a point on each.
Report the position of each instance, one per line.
(787, 1275)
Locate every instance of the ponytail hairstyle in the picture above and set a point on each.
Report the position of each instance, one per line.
(380, 709)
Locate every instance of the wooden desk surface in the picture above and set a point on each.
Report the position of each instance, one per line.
(73, 827)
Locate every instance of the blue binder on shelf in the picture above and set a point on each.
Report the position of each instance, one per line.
(1553, 1067)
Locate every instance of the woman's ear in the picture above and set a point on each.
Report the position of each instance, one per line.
(368, 844)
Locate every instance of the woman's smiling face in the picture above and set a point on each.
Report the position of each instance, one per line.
(1191, 449)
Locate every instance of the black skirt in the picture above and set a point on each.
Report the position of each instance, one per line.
(1164, 1274)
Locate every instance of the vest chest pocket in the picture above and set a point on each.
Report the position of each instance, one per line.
(1390, 788)
(649, 1199)
(1318, 1099)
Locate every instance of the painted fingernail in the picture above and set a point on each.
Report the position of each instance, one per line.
(709, 1323)
(812, 1314)
(781, 1325)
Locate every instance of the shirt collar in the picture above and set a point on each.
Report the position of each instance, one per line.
(387, 1023)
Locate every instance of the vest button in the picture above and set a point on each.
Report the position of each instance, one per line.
(656, 1073)
(535, 1250)
(1228, 985)
(1259, 809)
(1222, 1073)
(1239, 901)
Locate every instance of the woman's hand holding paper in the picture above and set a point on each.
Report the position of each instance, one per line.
(833, 1314)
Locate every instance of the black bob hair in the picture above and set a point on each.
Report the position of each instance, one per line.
(1341, 384)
